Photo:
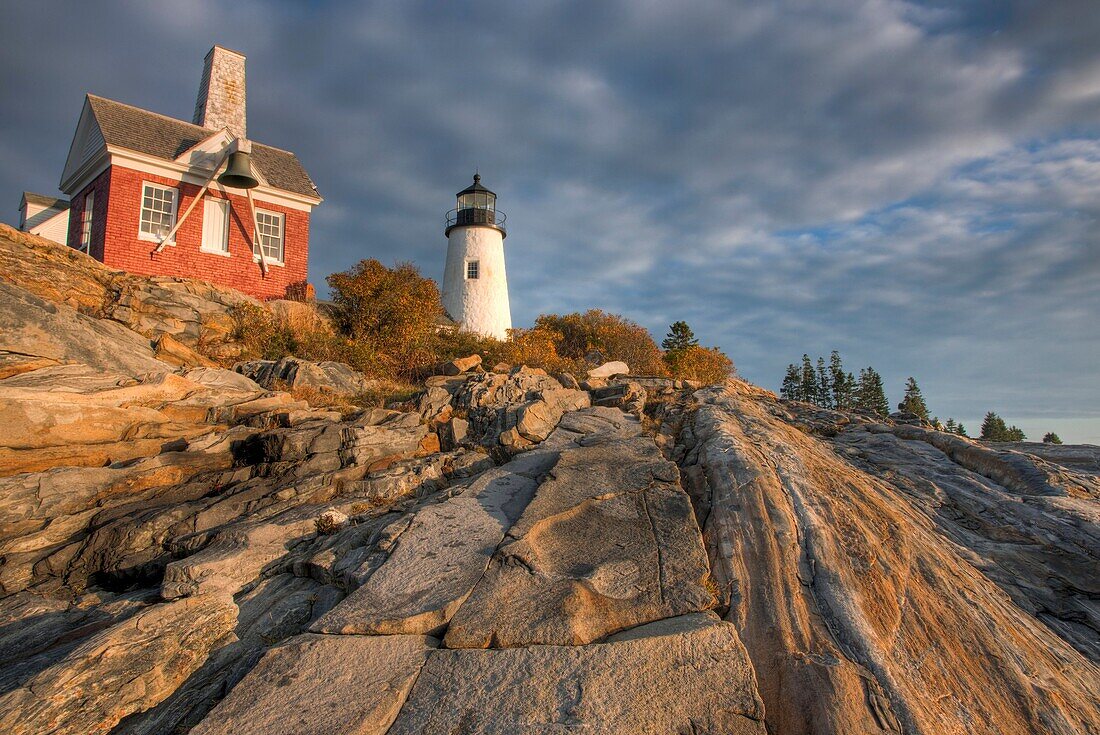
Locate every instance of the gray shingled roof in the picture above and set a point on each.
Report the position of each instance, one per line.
(45, 201)
(164, 137)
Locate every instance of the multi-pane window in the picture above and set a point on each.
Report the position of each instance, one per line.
(158, 211)
(472, 269)
(86, 223)
(269, 235)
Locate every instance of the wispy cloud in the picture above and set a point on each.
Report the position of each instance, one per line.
(914, 183)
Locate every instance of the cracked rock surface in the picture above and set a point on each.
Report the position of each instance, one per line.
(890, 579)
(185, 550)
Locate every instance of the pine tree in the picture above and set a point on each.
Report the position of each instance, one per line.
(950, 427)
(961, 430)
(994, 429)
(913, 402)
(679, 337)
(791, 389)
(1015, 435)
(807, 382)
(824, 391)
(1051, 438)
(870, 394)
(841, 383)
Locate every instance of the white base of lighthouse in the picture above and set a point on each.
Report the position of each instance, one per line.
(475, 284)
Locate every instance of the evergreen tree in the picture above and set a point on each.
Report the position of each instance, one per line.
(1051, 438)
(807, 383)
(841, 383)
(936, 423)
(913, 402)
(824, 391)
(961, 430)
(870, 394)
(679, 337)
(995, 430)
(791, 389)
(950, 427)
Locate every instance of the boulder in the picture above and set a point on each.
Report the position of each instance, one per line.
(454, 432)
(334, 378)
(680, 676)
(515, 410)
(609, 369)
(626, 395)
(610, 541)
(323, 685)
(434, 404)
(461, 365)
(535, 420)
(567, 381)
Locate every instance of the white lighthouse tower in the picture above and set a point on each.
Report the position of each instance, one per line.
(475, 285)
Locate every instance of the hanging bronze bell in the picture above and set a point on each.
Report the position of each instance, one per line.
(238, 174)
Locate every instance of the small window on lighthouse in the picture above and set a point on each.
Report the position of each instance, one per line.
(471, 269)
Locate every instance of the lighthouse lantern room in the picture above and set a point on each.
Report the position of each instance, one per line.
(475, 284)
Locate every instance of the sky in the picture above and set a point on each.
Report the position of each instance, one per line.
(914, 184)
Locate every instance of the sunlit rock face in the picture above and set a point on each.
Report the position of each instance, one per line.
(186, 550)
(895, 579)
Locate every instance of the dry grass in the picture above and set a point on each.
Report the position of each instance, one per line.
(712, 587)
(385, 392)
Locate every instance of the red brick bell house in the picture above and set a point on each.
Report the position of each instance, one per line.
(133, 176)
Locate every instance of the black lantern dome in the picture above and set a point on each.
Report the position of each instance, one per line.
(476, 206)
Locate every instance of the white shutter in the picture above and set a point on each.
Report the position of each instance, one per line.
(215, 225)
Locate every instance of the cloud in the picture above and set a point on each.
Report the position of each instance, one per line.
(913, 183)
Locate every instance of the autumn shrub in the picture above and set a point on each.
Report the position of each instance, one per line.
(268, 336)
(538, 347)
(391, 313)
(260, 334)
(453, 343)
(601, 336)
(705, 364)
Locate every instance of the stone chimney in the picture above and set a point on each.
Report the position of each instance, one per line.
(221, 102)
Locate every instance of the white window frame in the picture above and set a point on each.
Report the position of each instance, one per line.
(476, 269)
(142, 234)
(258, 242)
(228, 207)
(86, 222)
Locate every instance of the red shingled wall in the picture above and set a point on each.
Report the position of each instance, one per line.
(123, 249)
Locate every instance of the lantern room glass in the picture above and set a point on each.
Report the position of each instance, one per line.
(477, 200)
